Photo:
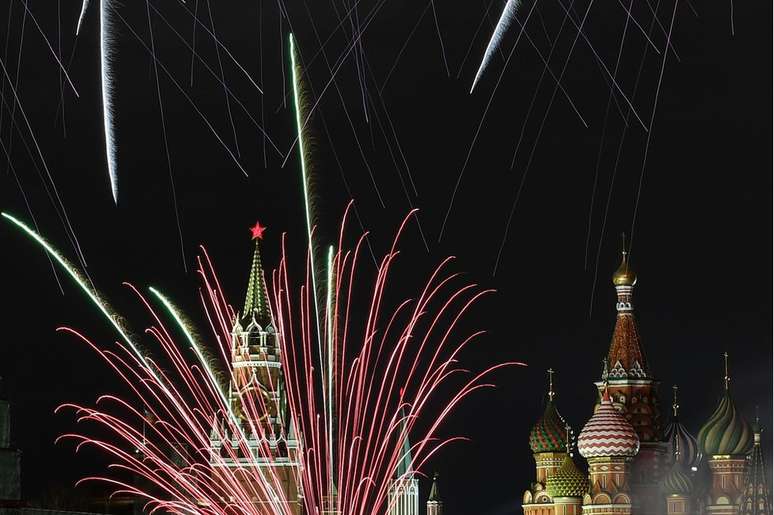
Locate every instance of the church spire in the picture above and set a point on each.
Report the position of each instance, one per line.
(256, 299)
(625, 358)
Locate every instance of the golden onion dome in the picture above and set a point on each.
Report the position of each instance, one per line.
(625, 275)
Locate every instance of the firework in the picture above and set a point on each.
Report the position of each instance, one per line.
(507, 16)
(206, 430)
(106, 81)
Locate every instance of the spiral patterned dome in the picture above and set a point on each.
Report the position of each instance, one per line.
(690, 454)
(548, 433)
(567, 481)
(726, 432)
(608, 433)
(677, 482)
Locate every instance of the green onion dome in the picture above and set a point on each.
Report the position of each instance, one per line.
(548, 433)
(677, 482)
(567, 481)
(726, 432)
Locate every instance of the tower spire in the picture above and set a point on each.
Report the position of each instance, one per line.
(256, 299)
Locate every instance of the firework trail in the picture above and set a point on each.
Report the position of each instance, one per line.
(84, 7)
(106, 81)
(507, 16)
(205, 431)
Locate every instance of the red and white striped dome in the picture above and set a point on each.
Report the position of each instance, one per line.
(608, 433)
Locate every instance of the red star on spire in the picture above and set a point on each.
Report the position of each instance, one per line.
(257, 230)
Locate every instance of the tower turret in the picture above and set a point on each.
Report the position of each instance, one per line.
(725, 439)
(634, 391)
(258, 397)
(548, 442)
(434, 502)
(403, 496)
(757, 496)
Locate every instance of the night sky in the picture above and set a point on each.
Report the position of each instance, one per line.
(702, 240)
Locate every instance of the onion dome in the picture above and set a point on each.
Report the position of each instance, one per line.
(726, 432)
(679, 438)
(567, 481)
(677, 482)
(608, 433)
(547, 435)
(625, 275)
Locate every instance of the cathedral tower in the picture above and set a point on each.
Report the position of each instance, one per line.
(725, 439)
(677, 485)
(634, 392)
(258, 397)
(609, 442)
(547, 440)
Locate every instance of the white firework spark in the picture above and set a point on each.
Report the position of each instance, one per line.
(84, 7)
(509, 13)
(106, 71)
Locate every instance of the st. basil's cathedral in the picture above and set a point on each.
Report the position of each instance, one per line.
(637, 464)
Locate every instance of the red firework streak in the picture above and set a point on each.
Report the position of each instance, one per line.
(256, 437)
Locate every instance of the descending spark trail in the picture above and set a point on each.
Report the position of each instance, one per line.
(106, 77)
(84, 7)
(200, 450)
(507, 16)
(302, 157)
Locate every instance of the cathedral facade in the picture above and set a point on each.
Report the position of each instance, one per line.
(635, 463)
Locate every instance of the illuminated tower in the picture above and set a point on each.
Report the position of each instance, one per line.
(608, 442)
(10, 458)
(633, 391)
(434, 503)
(725, 439)
(403, 496)
(258, 397)
(547, 440)
(757, 497)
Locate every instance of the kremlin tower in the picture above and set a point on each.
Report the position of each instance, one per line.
(434, 503)
(403, 496)
(257, 367)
